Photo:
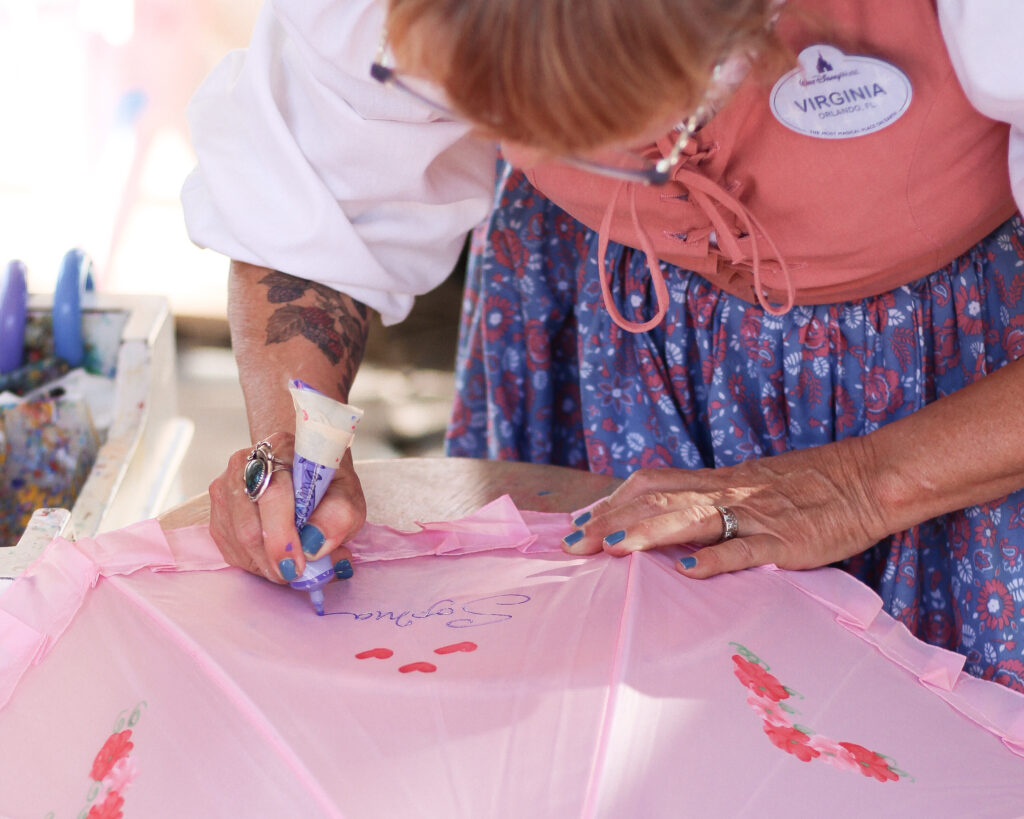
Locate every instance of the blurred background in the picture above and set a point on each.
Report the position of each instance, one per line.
(94, 147)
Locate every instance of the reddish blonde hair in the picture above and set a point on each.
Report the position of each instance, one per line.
(571, 75)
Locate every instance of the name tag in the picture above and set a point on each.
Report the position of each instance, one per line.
(834, 96)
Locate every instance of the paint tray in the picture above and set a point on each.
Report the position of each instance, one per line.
(76, 479)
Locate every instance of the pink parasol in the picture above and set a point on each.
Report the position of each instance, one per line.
(472, 669)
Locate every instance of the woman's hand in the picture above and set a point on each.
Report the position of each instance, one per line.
(283, 327)
(261, 537)
(798, 510)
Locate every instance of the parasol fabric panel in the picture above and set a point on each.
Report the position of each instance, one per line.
(472, 669)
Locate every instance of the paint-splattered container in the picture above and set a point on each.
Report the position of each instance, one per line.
(128, 470)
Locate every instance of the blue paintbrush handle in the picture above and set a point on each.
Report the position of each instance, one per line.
(13, 312)
(73, 281)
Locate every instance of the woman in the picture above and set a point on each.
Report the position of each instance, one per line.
(833, 324)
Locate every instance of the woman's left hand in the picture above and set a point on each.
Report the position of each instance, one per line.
(798, 510)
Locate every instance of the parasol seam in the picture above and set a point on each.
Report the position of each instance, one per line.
(615, 679)
(231, 691)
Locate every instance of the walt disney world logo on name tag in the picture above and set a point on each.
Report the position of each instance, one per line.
(833, 96)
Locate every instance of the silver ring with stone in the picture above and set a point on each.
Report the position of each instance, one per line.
(730, 527)
(259, 468)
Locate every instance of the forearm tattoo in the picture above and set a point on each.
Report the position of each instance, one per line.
(336, 324)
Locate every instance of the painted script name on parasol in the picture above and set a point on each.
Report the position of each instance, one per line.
(483, 611)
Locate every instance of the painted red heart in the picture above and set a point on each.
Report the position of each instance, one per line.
(426, 668)
(466, 646)
(375, 653)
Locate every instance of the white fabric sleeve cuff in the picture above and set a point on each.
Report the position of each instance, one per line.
(308, 166)
(985, 39)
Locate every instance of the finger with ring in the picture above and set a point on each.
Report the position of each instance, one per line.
(730, 527)
(259, 468)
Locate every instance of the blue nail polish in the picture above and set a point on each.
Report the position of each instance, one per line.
(581, 519)
(688, 562)
(343, 570)
(287, 567)
(572, 537)
(615, 537)
(312, 539)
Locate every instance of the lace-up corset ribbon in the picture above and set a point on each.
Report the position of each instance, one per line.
(779, 217)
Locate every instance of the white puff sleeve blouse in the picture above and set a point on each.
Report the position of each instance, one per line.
(308, 166)
(985, 39)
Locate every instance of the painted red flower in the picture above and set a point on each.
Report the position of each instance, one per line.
(871, 764)
(121, 775)
(769, 711)
(758, 680)
(791, 740)
(117, 746)
(832, 753)
(995, 605)
(109, 808)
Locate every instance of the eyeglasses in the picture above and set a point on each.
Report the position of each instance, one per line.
(628, 167)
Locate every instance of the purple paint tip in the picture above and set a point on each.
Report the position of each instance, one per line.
(298, 383)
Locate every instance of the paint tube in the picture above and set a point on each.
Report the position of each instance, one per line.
(324, 429)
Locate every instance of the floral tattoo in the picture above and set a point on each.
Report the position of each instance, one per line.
(334, 322)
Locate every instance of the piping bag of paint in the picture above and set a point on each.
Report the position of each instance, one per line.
(324, 429)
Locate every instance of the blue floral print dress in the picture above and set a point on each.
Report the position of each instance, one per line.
(545, 376)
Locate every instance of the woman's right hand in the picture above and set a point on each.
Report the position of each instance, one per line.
(282, 328)
(261, 537)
